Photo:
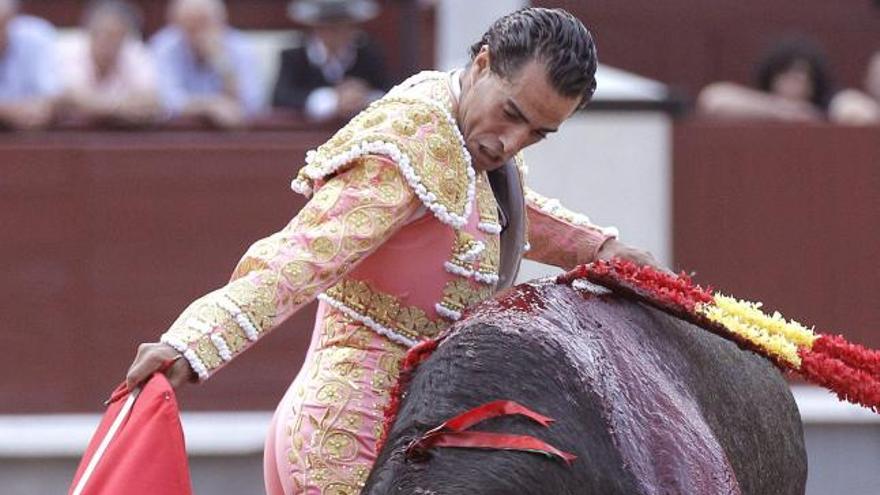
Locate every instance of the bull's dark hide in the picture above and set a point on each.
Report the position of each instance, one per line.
(648, 403)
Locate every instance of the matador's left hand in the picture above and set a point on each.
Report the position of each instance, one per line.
(616, 249)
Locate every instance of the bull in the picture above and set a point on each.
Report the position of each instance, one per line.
(647, 403)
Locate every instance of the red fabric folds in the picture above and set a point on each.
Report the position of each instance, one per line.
(492, 410)
(500, 441)
(452, 433)
(147, 454)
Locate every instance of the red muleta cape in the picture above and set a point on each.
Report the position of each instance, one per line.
(138, 448)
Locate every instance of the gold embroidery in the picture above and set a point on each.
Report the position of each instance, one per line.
(460, 294)
(256, 299)
(404, 127)
(340, 489)
(248, 265)
(374, 119)
(385, 309)
(356, 245)
(464, 242)
(257, 255)
(339, 446)
(419, 115)
(235, 338)
(326, 197)
(335, 413)
(433, 147)
(340, 139)
(331, 393)
(298, 272)
(486, 204)
(213, 315)
(386, 373)
(208, 353)
(309, 216)
(360, 223)
(324, 248)
(438, 147)
(491, 258)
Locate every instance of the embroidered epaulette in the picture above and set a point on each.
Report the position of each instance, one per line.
(420, 136)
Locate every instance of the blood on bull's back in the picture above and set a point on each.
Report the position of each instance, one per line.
(649, 404)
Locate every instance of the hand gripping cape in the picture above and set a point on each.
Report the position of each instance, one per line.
(138, 448)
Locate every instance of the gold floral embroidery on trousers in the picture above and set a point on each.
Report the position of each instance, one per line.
(343, 397)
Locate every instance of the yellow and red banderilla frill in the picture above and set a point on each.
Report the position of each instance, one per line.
(850, 370)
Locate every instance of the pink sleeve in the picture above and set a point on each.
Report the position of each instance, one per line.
(349, 217)
(560, 237)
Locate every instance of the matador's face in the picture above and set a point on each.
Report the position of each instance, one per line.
(501, 116)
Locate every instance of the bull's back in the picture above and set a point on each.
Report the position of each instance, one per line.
(649, 404)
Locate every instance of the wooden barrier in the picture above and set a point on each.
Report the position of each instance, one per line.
(785, 214)
(107, 236)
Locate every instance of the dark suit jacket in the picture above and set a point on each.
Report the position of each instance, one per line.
(298, 77)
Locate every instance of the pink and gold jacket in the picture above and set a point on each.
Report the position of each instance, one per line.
(400, 235)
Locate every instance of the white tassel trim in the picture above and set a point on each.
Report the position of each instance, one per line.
(199, 325)
(391, 150)
(553, 207)
(449, 314)
(457, 269)
(489, 227)
(472, 253)
(190, 355)
(222, 348)
(301, 186)
(486, 278)
(482, 277)
(250, 330)
(366, 320)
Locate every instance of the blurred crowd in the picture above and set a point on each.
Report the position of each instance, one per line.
(196, 66)
(199, 67)
(793, 83)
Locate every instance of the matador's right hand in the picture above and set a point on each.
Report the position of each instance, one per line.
(154, 357)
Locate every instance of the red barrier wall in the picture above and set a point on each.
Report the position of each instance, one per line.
(108, 236)
(785, 214)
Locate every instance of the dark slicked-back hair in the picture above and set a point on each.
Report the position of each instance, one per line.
(552, 36)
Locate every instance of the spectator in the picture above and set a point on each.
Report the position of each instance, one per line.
(855, 107)
(338, 71)
(28, 84)
(207, 67)
(110, 76)
(793, 83)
